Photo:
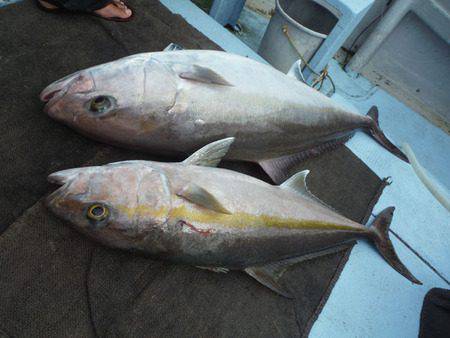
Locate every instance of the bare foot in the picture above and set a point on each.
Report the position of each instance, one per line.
(116, 9)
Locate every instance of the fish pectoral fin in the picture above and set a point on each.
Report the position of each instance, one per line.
(297, 183)
(270, 274)
(200, 196)
(211, 154)
(204, 75)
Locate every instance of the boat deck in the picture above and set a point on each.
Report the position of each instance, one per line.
(369, 295)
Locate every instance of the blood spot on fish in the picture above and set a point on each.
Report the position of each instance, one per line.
(195, 229)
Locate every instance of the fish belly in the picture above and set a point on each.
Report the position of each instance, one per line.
(201, 246)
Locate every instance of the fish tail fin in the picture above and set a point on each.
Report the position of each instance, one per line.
(380, 232)
(378, 135)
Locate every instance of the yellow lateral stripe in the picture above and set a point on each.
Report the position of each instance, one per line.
(235, 220)
(242, 220)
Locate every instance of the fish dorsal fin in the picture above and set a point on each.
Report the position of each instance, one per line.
(204, 75)
(270, 274)
(297, 183)
(211, 154)
(200, 196)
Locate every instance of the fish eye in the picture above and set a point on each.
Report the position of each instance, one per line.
(97, 212)
(100, 104)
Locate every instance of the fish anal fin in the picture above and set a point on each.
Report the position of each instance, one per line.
(279, 169)
(270, 274)
(200, 196)
(204, 75)
(214, 269)
(268, 280)
(298, 184)
(211, 154)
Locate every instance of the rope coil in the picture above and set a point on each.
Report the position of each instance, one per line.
(320, 76)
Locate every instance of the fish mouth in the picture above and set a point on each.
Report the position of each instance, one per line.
(45, 97)
(63, 178)
(51, 200)
(51, 98)
(74, 83)
(56, 179)
(62, 182)
(53, 93)
(57, 87)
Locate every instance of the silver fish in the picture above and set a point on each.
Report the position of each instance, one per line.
(193, 213)
(175, 102)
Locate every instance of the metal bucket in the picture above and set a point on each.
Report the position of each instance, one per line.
(304, 24)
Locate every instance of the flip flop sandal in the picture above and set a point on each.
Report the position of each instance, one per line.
(61, 10)
(116, 19)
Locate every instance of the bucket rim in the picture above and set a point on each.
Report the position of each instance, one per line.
(298, 25)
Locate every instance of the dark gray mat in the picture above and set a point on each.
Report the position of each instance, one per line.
(435, 314)
(53, 281)
(38, 48)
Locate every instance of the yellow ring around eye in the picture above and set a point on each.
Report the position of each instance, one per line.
(97, 212)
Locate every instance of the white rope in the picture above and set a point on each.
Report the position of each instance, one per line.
(434, 187)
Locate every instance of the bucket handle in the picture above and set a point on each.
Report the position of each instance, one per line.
(320, 76)
(298, 25)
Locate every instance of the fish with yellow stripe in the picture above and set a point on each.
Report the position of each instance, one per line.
(194, 213)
